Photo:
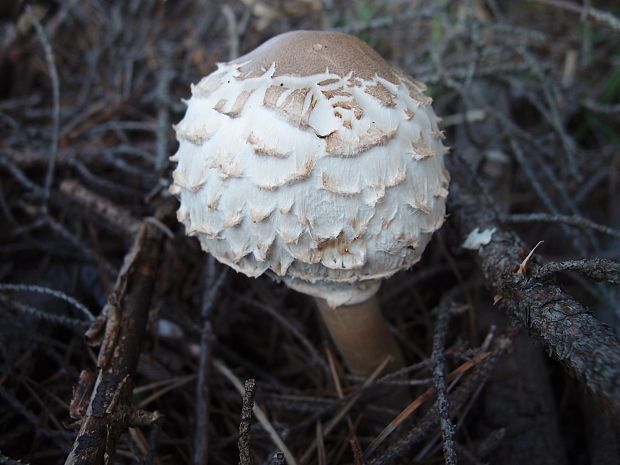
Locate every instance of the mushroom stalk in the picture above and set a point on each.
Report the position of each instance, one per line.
(362, 336)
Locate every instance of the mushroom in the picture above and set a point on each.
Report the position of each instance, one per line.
(315, 161)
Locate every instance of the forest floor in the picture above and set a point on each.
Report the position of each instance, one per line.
(121, 339)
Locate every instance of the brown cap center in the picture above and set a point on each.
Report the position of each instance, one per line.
(304, 53)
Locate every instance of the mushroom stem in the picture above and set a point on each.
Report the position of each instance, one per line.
(362, 336)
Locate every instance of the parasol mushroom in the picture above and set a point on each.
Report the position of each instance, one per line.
(314, 160)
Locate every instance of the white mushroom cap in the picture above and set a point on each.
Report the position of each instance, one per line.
(314, 159)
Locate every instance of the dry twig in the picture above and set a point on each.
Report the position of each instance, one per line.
(457, 398)
(439, 374)
(258, 412)
(597, 269)
(245, 450)
(110, 411)
(207, 339)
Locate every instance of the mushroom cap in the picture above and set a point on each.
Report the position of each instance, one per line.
(313, 159)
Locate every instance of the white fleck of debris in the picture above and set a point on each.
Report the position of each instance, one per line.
(477, 239)
(169, 330)
(194, 350)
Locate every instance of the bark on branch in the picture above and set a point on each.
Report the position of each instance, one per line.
(110, 410)
(588, 349)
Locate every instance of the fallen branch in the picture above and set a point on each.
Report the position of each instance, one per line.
(587, 348)
(110, 410)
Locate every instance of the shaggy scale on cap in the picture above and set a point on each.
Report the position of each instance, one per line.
(314, 159)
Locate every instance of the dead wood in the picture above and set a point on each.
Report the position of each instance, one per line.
(110, 411)
(588, 349)
(456, 399)
(113, 215)
(245, 453)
